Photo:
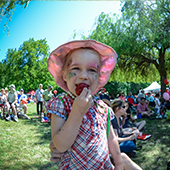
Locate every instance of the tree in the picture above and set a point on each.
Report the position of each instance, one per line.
(7, 7)
(27, 66)
(148, 26)
(141, 37)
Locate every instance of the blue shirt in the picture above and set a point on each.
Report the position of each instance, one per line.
(20, 97)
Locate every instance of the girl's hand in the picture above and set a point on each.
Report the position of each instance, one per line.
(55, 154)
(120, 167)
(125, 115)
(82, 102)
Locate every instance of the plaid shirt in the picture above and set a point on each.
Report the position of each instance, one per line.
(90, 149)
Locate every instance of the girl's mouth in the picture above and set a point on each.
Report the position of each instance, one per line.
(80, 87)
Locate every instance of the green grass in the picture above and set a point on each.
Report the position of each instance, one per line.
(155, 153)
(25, 145)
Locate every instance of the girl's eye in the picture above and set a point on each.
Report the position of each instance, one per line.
(75, 68)
(92, 70)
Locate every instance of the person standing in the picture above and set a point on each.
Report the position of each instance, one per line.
(39, 99)
(47, 95)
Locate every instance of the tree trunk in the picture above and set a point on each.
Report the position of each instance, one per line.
(163, 85)
(162, 70)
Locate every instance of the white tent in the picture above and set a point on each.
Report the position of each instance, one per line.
(154, 87)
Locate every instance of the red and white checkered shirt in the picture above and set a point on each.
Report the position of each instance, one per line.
(90, 149)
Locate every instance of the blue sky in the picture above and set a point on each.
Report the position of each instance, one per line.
(54, 20)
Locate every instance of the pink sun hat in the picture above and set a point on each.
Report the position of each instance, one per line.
(57, 59)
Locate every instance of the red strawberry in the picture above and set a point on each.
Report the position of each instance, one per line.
(80, 88)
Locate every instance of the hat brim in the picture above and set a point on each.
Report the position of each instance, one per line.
(57, 59)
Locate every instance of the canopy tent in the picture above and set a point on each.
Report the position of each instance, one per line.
(154, 87)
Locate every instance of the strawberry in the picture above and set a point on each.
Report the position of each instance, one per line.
(80, 87)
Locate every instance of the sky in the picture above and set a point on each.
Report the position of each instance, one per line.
(56, 21)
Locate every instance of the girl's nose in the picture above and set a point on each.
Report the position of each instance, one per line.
(83, 75)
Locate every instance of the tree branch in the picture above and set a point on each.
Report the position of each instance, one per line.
(150, 61)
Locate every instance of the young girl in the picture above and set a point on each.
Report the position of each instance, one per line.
(79, 123)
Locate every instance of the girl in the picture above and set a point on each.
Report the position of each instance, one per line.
(78, 122)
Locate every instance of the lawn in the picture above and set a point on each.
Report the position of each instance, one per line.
(25, 145)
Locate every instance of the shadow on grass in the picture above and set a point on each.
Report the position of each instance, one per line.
(155, 152)
(44, 129)
(37, 166)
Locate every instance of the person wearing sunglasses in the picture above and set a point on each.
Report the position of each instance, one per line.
(126, 139)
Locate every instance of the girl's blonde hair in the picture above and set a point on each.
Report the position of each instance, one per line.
(117, 103)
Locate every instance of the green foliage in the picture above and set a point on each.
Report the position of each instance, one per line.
(7, 7)
(27, 66)
(114, 87)
(141, 38)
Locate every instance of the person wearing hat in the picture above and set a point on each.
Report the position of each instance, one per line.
(79, 122)
(39, 99)
(11, 103)
(47, 95)
(23, 101)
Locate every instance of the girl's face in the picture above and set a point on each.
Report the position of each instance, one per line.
(83, 67)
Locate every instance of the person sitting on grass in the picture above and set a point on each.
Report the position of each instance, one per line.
(166, 105)
(122, 96)
(126, 139)
(3, 101)
(140, 96)
(128, 116)
(142, 109)
(150, 99)
(23, 101)
(6, 92)
(11, 103)
(158, 108)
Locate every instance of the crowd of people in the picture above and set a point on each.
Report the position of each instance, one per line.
(89, 129)
(12, 101)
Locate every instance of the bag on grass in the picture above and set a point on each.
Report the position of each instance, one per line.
(144, 136)
(127, 146)
(22, 115)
